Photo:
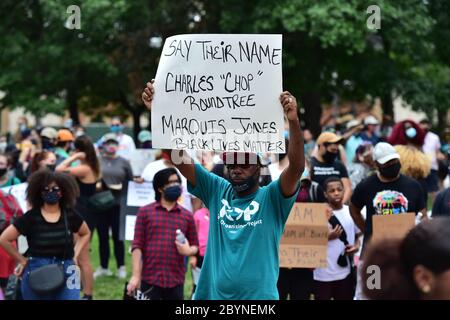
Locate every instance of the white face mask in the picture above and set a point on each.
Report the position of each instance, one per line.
(3, 146)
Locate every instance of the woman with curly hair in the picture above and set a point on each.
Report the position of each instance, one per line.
(49, 227)
(415, 164)
(407, 132)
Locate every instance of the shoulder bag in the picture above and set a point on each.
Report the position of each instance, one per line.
(102, 201)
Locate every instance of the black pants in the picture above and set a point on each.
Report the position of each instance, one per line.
(157, 293)
(338, 290)
(107, 220)
(295, 282)
(199, 265)
(3, 284)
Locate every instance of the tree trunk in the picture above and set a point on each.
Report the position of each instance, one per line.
(387, 104)
(442, 119)
(313, 111)
(72, 100)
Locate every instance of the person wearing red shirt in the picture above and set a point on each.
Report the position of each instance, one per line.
(158, 259)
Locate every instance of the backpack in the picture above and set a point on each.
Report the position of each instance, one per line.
(9, 210)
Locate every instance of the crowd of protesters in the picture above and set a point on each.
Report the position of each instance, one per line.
(356, 169)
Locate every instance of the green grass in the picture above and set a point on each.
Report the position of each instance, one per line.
(112, 288)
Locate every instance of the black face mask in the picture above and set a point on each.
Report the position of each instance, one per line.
(172, 193)
(329, 157)
(3, 172)
(245, 185)
(390, 172)
(51, 197)
(51, 167)
(47, 145)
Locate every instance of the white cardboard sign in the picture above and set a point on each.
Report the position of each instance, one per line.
(140, 194)
(219, 92)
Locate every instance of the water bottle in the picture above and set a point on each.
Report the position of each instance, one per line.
(180, 236)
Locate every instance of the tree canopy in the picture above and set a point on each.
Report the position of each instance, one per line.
(328, 50)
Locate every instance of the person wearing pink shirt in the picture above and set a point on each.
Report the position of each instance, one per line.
(201, 218)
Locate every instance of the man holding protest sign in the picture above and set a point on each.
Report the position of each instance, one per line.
(241, 260)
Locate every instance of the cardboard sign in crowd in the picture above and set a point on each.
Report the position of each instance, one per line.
(305, 238)
(392, 225)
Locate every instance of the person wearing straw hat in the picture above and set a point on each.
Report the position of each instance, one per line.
(325, 164)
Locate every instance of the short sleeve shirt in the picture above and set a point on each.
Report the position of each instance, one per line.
(380, 198)
(47, 239)
(241, 260)
(321, 171)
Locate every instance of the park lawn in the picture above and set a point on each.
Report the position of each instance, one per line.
(112, 288)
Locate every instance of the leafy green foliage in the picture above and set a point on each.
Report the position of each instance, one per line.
(328, 50)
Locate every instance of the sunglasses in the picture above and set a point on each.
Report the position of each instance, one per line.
(52, 189)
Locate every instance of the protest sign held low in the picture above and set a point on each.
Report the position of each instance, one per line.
(134, 196)
(305, 238)
(139, 194)
(219, 92)
(392, 225)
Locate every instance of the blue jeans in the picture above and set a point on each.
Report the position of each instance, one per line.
(70, 290)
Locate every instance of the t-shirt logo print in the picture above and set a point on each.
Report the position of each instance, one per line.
(390, 202)
(227, 210)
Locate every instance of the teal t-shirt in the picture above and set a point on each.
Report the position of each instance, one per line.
(241, 260)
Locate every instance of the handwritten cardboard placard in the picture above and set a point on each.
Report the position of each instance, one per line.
(219, 92)
(305, 237)
(392, 225)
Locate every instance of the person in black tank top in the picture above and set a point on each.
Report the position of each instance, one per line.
(86, 190)
(49, 228)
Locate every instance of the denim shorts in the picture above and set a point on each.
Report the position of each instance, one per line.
(70, 290)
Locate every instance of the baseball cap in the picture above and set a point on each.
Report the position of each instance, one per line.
(49, 132)
(371, 120)
(328, 137)
(110, 137)
(240, 158)
(65, 135)
(384, 152)
(145, 135)
(353, 123)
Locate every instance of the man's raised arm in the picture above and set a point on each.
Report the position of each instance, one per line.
(180, 158)
(291, 175)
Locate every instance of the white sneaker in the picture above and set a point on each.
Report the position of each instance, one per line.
(122, 272)
(100, 272)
